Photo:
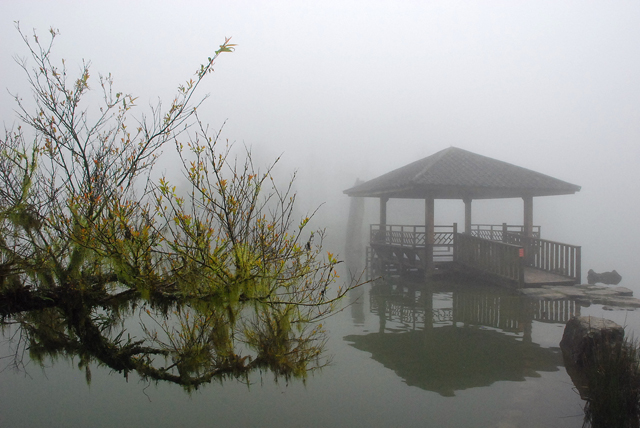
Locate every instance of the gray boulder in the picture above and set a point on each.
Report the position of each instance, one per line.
(583, 338)
(583, 334)
(608, 278)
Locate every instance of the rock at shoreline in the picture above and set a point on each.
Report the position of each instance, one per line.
(612, 297)
(582, 335)
(612, 277)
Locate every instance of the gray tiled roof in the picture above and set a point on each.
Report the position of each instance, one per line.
(455, 174)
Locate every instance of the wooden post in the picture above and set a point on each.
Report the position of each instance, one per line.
(383, 210)
(578, 265)
(528, 228)
(467, 215)
(429, 234)
(521, 263)
(504, 232)
(455, 242)
(528, 216)
(382, 238)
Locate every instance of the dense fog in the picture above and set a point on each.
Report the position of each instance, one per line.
(347, 90)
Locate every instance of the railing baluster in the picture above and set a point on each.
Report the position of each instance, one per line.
(490, 247)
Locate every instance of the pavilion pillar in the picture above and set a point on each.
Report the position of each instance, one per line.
(429, 235)
(467, 215)
(528, 229)
(383, 220)
(528, 216)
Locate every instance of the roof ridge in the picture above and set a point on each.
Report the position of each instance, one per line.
(453, 173)
(433, 160)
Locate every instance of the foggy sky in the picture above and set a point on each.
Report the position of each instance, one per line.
(348, 90)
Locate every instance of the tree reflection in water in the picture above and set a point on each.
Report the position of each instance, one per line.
(221, 274)
(189, 343)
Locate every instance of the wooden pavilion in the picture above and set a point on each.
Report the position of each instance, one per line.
(504, 252)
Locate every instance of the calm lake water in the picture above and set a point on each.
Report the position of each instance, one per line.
(485, 358)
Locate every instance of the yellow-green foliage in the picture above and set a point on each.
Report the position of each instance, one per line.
(84, 227)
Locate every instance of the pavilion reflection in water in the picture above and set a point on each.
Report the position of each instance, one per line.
(446, 338)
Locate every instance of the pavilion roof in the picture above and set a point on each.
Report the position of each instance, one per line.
(454, 173)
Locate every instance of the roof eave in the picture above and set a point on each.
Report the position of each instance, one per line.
(459, 192)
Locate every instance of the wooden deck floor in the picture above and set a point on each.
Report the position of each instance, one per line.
(534, 277)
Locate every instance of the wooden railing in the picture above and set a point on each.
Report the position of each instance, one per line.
(414, 235)
(496, 232)
(501, 250)
(550, 256)
(494, 257)
(410, 236)
(408, 242)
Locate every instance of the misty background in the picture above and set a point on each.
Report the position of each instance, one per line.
(354, 89)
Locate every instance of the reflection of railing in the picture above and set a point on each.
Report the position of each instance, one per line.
(407, 312)
(553, 311)
(507, 313)
(550, 256)
(496, 232)
(494, 257)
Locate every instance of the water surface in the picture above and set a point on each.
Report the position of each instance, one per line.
(485, 358)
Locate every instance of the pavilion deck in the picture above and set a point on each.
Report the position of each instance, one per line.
(500, 253)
